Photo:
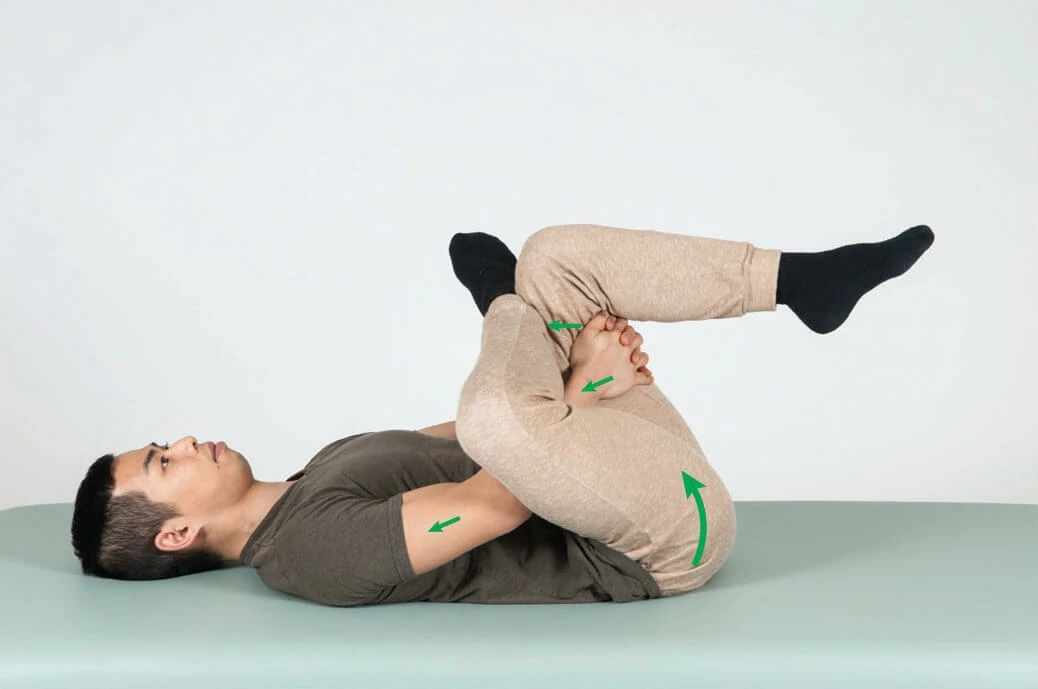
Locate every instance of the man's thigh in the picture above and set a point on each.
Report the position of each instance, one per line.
(557, 294)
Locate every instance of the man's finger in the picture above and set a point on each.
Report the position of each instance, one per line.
(600, 321)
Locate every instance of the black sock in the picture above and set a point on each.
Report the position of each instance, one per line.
(484, 265)
(822, 288)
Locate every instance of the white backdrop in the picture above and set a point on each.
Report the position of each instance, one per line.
(230, 220)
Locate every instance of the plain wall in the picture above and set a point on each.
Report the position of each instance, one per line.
(231, 219)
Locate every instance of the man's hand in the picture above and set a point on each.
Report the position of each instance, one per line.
(607, 346)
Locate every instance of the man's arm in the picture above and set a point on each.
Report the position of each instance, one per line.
(446, 520)
(485, 508)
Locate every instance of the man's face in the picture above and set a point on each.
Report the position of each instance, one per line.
(185, 475)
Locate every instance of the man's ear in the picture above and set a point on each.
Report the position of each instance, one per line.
(176, 534)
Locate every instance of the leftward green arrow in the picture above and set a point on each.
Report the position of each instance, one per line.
(692, 487)
(438, 526)
(593, 385)
(558, 325)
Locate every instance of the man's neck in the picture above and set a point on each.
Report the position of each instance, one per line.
(256, 504)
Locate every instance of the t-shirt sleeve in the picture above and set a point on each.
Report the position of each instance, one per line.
(347, 549)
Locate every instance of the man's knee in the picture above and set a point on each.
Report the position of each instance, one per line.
(547, 239)
(470, 417)
(481, 407)
(540, 258)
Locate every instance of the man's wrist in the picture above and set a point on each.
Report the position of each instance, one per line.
(574, 394)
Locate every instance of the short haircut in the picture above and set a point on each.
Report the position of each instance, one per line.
(114, 537)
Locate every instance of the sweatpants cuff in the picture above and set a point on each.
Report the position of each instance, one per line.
(764, 265)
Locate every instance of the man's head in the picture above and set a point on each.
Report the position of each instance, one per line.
(159, 511)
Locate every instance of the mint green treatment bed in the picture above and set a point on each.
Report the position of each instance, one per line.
(815, 594)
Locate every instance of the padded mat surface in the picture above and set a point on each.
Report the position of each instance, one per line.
(815, 594)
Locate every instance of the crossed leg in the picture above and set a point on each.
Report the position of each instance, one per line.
(614, 472)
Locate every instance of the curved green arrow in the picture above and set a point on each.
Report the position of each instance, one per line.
(692, 487)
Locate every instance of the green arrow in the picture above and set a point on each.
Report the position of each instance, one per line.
(590, 387)
(692, 486)
(558, 325)
(438, 527)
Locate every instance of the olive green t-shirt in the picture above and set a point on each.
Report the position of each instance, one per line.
(336, 537)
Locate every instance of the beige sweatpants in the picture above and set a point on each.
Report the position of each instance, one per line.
(618, 471)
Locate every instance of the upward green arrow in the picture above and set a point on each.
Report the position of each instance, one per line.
(692, 487)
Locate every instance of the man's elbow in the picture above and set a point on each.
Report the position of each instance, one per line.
(506, 503)
(524, 512)
(519, 512)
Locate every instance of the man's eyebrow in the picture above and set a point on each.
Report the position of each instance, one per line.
(151, 454)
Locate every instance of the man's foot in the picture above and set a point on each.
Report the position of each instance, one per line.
(822, 288)
(484, 265)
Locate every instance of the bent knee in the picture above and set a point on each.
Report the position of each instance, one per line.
(541, 255)
(546, 238)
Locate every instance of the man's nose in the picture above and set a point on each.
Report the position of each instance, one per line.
(190, 440)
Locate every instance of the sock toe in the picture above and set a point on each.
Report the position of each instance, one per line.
(914, 242)
(921, 236)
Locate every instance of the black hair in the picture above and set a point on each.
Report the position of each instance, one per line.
(114, 537)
